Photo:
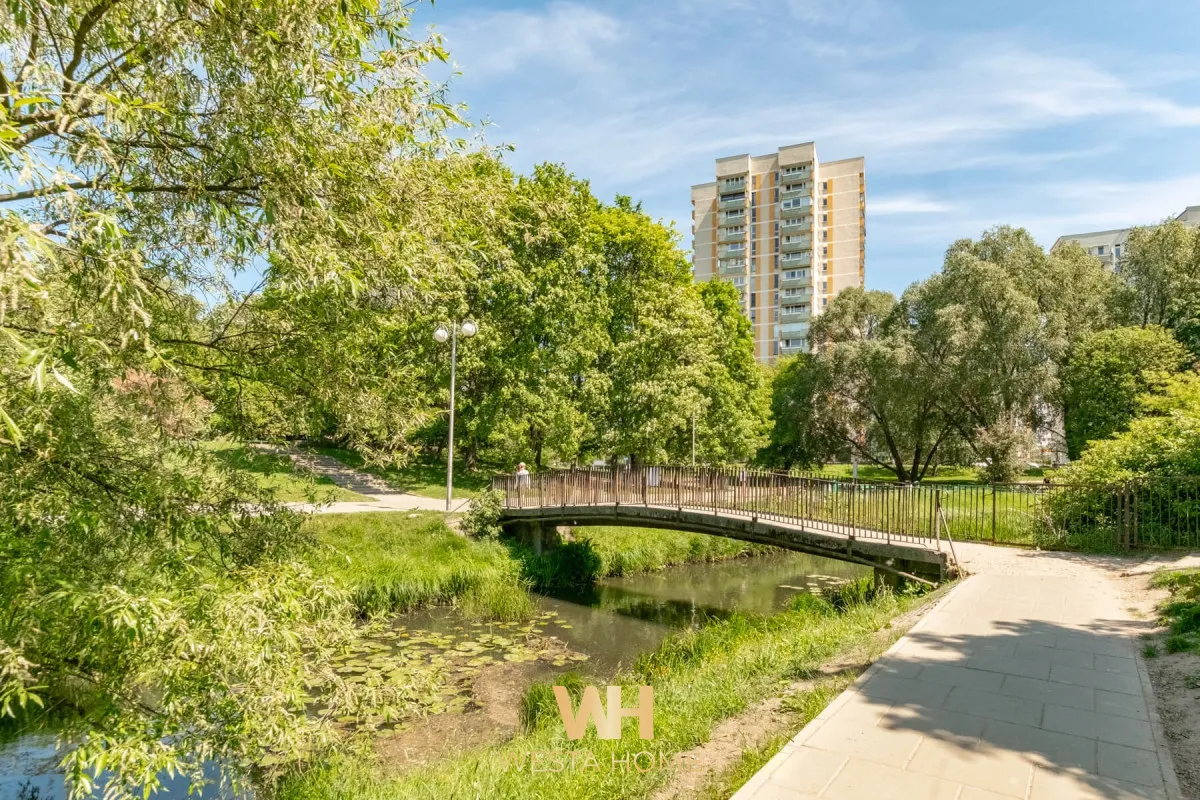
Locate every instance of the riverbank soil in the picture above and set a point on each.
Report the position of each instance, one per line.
(1175, 676)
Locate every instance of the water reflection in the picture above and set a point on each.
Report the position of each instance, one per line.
(620, 618)
(28, 771)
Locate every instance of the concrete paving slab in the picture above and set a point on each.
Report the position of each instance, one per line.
(1023, 683)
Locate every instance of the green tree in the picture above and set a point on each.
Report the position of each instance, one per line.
(992, 358)
(734, 393)
(659, 350)
(881, 395)
(529, 380)
(796, 439)
(149, 153)
(1107, 373)
(1164, 439)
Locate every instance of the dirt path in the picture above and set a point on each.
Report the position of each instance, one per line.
(1174, 676)
(383, 496)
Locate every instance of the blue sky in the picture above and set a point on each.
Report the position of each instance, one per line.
(1058, 116)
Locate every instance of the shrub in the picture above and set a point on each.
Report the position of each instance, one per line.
(482, 520)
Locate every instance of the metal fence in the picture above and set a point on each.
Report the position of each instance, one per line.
(1154, 512)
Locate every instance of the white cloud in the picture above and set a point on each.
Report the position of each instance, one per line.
(564, 35)
(907, 204)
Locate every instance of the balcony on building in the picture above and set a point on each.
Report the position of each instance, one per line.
(734, 234)
(732, 266)
(796, 243)
(796, 313)
(798, 173)
(790, 347)
(735, 215)
(796, 280)
(794, 330)
(737, 184)
(795, 207)
(801, 259)
(735, 200)
(732, 249)
(794, 190)
(793, 224)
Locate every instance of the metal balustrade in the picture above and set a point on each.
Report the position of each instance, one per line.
(1140, 512)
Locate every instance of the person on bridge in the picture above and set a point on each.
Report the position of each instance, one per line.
(523, 482)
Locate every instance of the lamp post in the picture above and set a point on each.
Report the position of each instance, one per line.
(468, 329)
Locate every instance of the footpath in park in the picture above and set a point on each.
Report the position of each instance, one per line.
(383, 496)
(1026, 681)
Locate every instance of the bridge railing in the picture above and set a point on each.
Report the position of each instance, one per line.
(1155, 512)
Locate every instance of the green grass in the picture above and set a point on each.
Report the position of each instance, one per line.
(424, 478)
(699, 678)
(397, 561)
(278, 474)
(601, 552)
(1180, 613)
(872, 472)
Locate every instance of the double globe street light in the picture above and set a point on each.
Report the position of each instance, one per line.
(467, 328)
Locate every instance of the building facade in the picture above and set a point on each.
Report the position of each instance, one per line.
(1108, 246)
(788, 231)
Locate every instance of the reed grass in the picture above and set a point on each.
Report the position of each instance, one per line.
(398, 561)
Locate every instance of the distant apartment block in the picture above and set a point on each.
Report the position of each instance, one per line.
(1109, 246)
(788, 231)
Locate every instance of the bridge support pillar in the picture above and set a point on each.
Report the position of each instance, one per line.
(539, 536)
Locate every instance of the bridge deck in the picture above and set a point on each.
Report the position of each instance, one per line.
(843, 542)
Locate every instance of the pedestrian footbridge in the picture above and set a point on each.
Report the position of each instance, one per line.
(896, 529)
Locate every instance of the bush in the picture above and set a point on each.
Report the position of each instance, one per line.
(482, 520)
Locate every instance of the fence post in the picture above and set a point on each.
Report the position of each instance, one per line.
(993, 513)
(937, 514)
(1124, 537)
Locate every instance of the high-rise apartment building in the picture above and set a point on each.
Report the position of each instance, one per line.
(788, 231)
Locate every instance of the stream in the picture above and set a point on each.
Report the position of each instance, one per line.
(612, 623)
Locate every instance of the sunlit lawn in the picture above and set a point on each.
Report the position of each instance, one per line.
(278, 474)
(871, 472)
(424, 478)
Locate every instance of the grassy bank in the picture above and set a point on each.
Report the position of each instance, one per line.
(602, 552)
(1180, 614)
(424, 478)
(872, 472)
(396, 561)
(279, 475)
(699, 678)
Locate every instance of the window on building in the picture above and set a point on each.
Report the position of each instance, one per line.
(1100, 250)
(824, 186)
(1117, 250)
(824, 219)
(753, 297)
(777, 284)
(776, 194)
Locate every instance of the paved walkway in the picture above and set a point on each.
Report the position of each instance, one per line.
(383, 496)
(1024, 682)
